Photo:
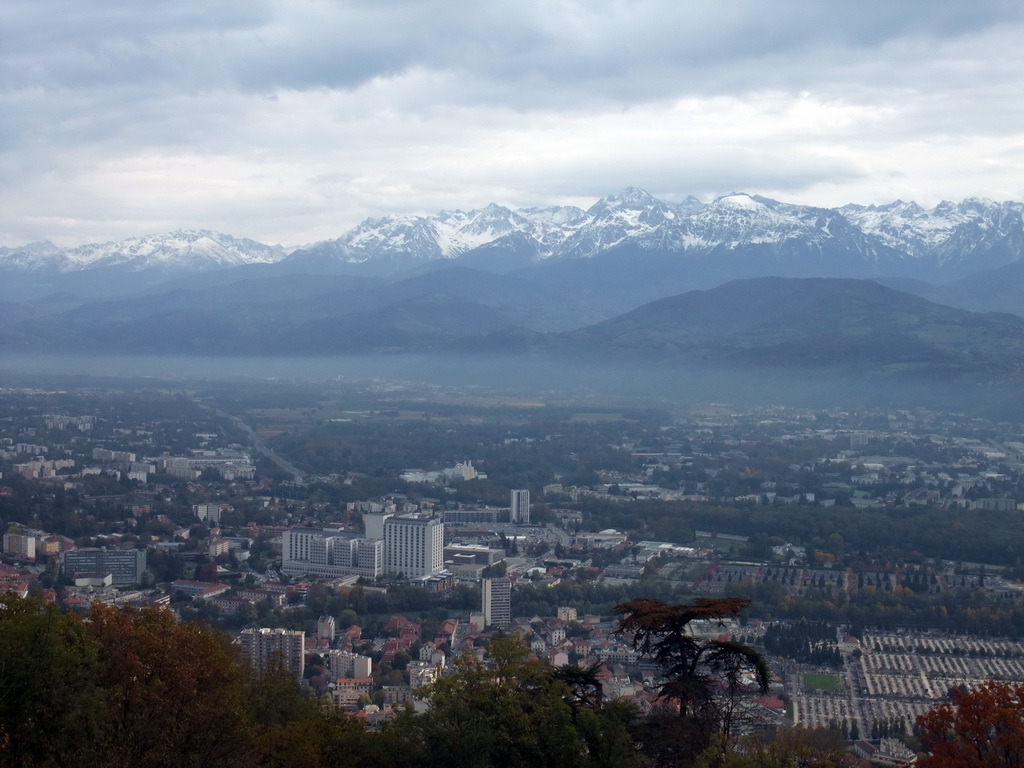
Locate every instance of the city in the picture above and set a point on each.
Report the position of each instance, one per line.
(158, 497)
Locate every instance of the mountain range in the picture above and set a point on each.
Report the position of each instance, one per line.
(732, 237)
(738, 284)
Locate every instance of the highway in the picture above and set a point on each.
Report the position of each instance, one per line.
(260, 445)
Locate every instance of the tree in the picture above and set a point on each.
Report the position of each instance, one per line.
(702, 677)
(796, 747)
(174, 690)
(49, 700)
(983, 728)
(584, 685)
(511, 712)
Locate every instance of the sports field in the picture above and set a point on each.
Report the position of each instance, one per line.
(817, 681)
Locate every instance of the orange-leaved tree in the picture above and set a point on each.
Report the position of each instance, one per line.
(172, 691)
(982, 728)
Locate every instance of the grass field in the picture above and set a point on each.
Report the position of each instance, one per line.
(817, 681)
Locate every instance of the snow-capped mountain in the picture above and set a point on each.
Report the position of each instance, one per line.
(899, 238)
(407, 239)
(736, 235)
(950, 234)
(181, 250)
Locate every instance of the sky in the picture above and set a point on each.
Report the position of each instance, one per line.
(291, 122)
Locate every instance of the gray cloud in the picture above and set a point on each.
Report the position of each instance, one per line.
(290, 121)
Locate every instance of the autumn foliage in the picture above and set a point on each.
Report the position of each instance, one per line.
(983, 728)
(127, 688)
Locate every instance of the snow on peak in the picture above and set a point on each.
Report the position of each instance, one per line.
(632, 196)
(740, 200)
(632, 216)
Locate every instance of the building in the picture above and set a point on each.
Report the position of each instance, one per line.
(464, 516)
(126, 566)
(373, 522)
(351, 691)
(208, 512)
(566, 613)
(330, 553)
(890, 753)
(497, 602)
(347, 664)
(520, 507)
(413, 546)
(262, 647)
(326, 628)
(199, 590)
(21, 545)
(473, 553)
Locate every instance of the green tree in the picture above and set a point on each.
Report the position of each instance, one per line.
(511, 712)
(788, 748)
(695, 670)
(50, 708)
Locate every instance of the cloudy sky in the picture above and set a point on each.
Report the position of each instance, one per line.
(292, 121)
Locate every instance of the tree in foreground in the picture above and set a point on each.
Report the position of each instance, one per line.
(703, 677)
(126, 688)
(513, 712)
(49, 687)
(983, 728)
(792, 747)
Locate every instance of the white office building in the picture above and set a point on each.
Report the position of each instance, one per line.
(413, 546)
(373, 522)
(330, 554)
(520, 507)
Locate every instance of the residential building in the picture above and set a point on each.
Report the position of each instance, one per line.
(347, 664)
(21, 545)
(261, 647)
(566, 613)
(520, 507)
(350, 690)
(326, 627)
(497, 602)
(209, 512)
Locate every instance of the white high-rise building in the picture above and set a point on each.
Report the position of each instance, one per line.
(413, 546)
(325, 553)
(497, 602)
(520, 507)
(374, 524)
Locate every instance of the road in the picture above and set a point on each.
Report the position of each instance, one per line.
(259, 445)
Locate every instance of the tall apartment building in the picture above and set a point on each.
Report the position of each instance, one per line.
(497, 602)
(413, 546)
(210, 512)
(260, 647)
(347, 664)
(330, 554)
(21, 545)
(520, 507)
(125, 566)
(326, 628)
